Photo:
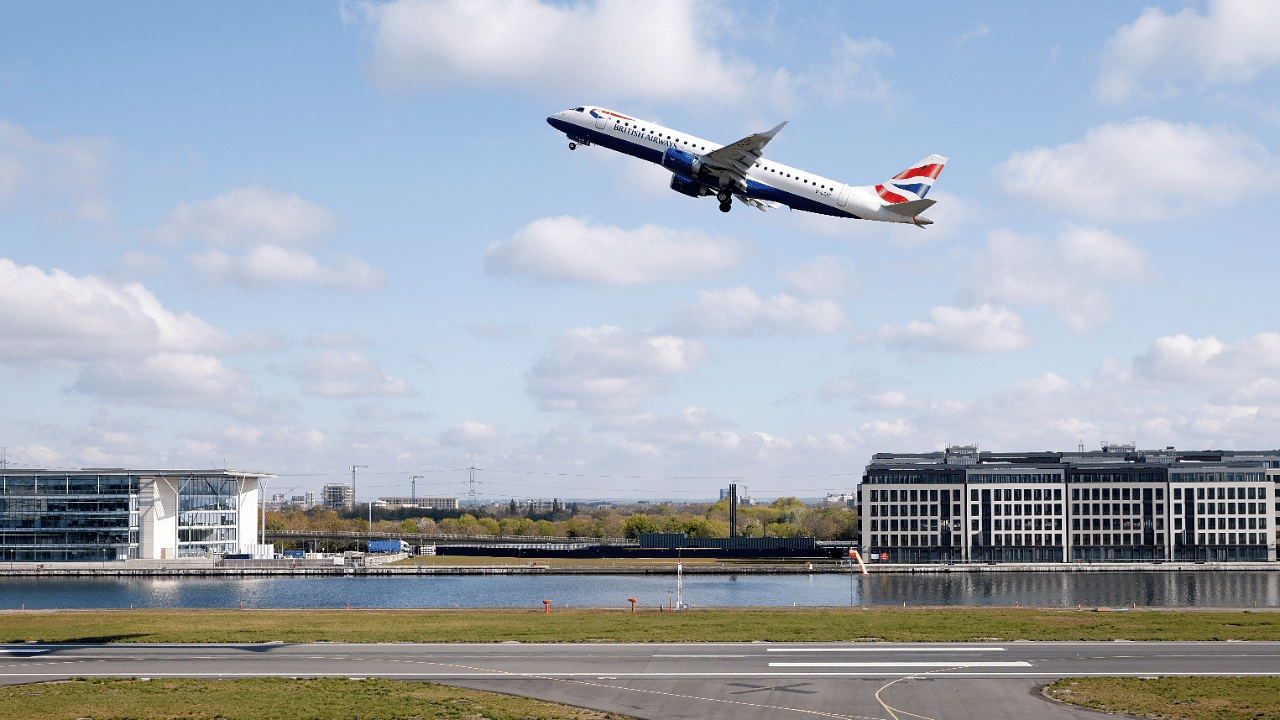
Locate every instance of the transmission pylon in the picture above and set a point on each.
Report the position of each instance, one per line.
(471, 482)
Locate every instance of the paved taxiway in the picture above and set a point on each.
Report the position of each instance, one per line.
(748, 681)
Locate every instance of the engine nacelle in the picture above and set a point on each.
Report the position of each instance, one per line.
(681, 162)
(685, 186)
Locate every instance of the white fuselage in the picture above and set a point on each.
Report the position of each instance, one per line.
(767, 180)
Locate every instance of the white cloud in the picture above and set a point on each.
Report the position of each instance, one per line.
(608, 369)
(336, 374)
(272, 266)
(853, 72)
(248, 216)
(472, 434)
(1232, 43)
(660, 51)
(1181, 359)
(825, 276)
(34, 171)
(740, 312)
(977, 31)
(1144, 169)
(983, 329)
(176, 380)
(55, 316)
(569, 249)
(1018, 270)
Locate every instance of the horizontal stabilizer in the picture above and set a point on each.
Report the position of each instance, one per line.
(911, 208)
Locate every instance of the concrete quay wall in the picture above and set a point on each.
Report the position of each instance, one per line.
(317, 569)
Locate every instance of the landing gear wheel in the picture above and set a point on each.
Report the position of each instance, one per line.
(726, 206)
(722, 196)
(573, 146)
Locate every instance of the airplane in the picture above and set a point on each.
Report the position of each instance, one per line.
(738, 170)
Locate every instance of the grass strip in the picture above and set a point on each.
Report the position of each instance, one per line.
(272, 699)
(586, 625)
(1180, 698)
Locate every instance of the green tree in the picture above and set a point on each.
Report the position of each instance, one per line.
(638, 525)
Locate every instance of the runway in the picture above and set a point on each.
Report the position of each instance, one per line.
(748, 681)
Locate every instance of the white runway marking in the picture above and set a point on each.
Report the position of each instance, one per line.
(889, 649)
(940, 663)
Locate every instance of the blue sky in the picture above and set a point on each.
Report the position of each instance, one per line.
(294, 237)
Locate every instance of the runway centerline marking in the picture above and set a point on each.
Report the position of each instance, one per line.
(1016, 663)
(890, 649)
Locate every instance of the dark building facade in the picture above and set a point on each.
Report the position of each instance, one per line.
(1117, 504)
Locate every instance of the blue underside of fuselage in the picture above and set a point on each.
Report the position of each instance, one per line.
(755, 189)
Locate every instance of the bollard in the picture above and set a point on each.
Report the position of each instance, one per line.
(546, 606)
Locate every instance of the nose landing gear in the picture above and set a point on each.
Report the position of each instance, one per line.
(573, 146)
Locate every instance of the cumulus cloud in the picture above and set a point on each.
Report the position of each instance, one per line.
(247, 216)
(337, 374)
(983, 329)
(472, 434)
(56, 316)
(1184, 359)
(1067, 277)
(520, 44)
(740, 312)
(610, 370)
(1231, 43)
(1144, 169)
(176, 380)
(571, 250)
(273, 266)
(35, 171)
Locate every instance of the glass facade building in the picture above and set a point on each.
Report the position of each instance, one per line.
(1119, 504)
(107, 515)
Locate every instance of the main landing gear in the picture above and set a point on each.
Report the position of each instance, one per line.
(726, 201)
(573, 146)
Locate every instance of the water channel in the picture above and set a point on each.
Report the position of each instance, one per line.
(1143, 589)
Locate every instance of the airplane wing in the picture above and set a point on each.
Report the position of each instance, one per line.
(736, 159)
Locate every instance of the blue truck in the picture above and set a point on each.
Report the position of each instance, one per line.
(389, 546)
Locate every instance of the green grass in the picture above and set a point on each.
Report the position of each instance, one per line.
(1183, 698)
(271, 699)
(582, 625)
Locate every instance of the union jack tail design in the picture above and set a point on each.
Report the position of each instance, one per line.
(912, 183)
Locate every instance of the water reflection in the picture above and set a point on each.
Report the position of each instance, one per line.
(1156, 589)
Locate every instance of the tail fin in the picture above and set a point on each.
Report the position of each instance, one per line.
(912, 183)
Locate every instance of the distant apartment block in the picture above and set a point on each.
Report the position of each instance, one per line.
(338, 496)
(1116, 504)
(427, 503)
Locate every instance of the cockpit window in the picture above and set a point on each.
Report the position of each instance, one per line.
(581, 109)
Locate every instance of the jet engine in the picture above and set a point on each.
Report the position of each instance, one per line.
(681, 162)
(685, 186)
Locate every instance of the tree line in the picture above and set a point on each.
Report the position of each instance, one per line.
(785, 517)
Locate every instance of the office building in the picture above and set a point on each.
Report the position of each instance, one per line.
(338, 496)
(1116, 504)
(118, 514)
(429, 503)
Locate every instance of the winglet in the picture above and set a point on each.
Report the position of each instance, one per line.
(774, 131)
